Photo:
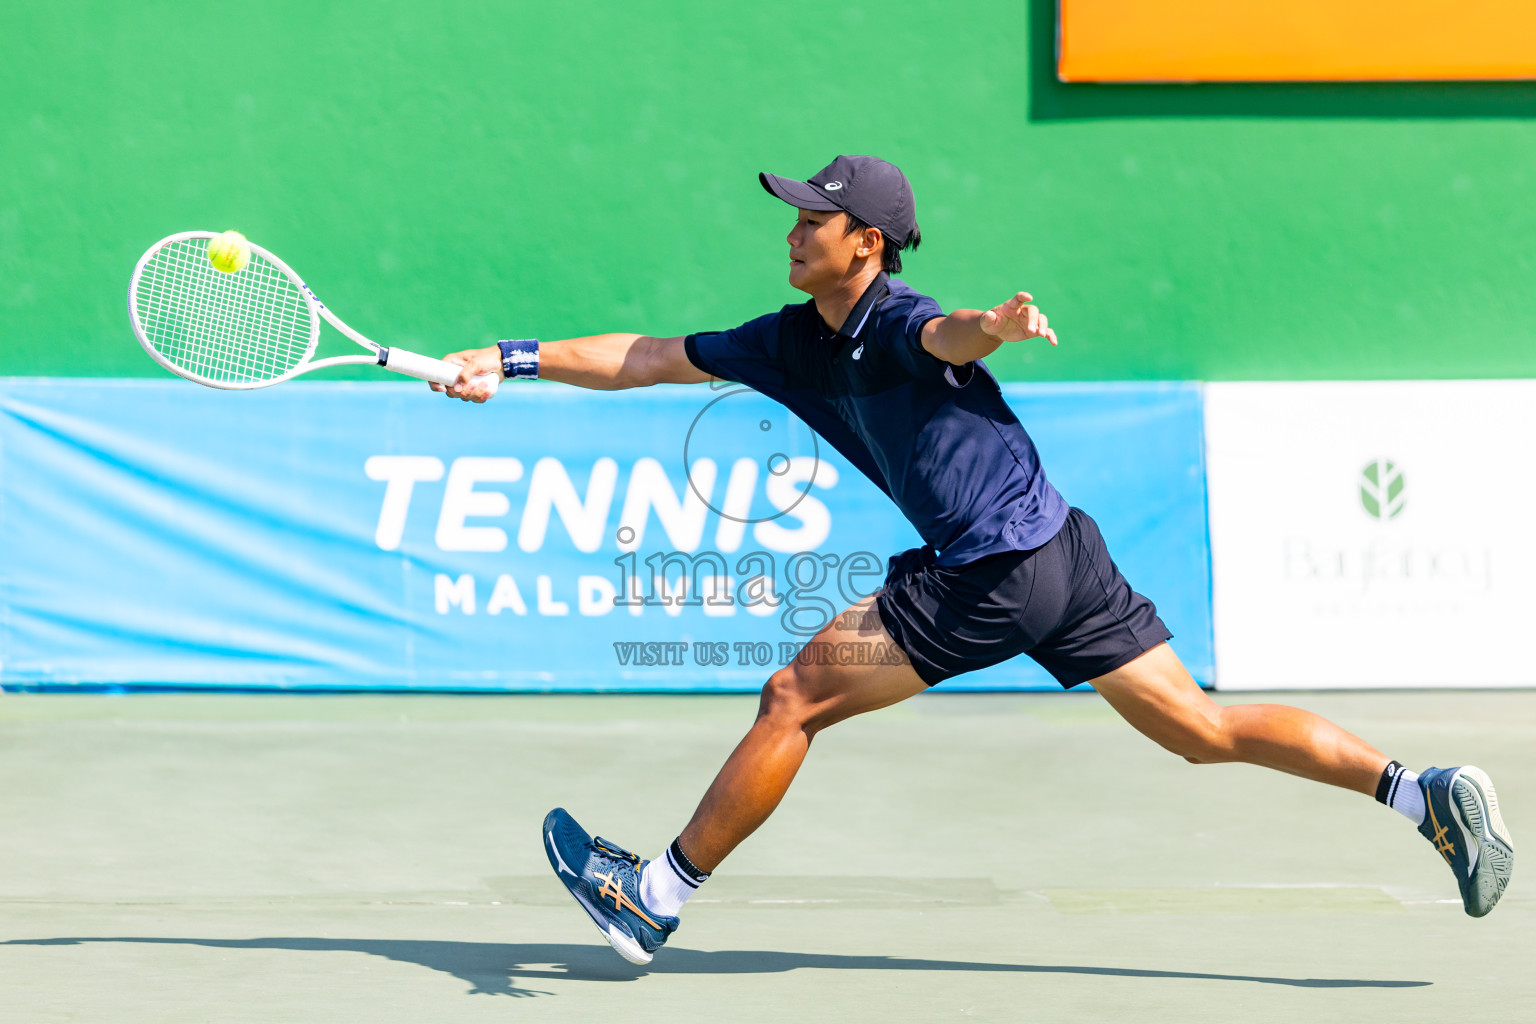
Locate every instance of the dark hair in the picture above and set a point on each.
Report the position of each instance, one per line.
(890, 255)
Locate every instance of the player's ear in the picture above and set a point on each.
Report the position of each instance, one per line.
(869, 244)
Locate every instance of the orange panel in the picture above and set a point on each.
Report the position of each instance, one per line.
(1295, 40)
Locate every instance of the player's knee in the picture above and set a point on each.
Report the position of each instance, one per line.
(784, 698)
(1199, 751)
(1202, 739)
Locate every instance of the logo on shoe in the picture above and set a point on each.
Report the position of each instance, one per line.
(1445, 847)
(621, 901)
(559, 860)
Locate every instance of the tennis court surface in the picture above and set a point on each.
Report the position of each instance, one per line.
(1023, 857)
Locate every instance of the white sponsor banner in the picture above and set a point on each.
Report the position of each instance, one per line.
(1372, 534)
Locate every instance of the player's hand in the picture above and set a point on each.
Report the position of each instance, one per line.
(476, 362)
(1017, 320)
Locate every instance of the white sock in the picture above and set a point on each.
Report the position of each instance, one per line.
(668, 881)
(1399, 790)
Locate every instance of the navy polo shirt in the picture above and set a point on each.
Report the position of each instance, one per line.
(939, 439)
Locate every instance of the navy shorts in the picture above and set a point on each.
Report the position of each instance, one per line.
(1064, 604)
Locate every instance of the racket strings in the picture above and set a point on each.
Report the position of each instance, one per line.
(240, 328)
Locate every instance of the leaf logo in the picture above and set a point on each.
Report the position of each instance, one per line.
(1382, 486)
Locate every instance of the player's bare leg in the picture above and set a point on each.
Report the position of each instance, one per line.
(1455, 808)
(1157, 695)
(797, 702)
(635, 902)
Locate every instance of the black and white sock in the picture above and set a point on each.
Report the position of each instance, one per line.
(668, 881)
(1399, 790)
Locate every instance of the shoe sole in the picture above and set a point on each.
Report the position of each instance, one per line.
(1482, 827)
(622, 942)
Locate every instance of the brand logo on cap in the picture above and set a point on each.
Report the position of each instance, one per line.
(832, 186)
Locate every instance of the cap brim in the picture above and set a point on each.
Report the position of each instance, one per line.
(799, 194)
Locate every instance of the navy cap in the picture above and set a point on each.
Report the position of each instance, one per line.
(866, 187)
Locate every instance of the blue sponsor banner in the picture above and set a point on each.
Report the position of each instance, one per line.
(376, 536)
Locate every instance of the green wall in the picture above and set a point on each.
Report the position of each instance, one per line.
(447, 173)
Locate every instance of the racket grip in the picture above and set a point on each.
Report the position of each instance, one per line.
(437, 371)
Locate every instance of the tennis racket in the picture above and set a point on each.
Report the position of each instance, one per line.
(249, 329)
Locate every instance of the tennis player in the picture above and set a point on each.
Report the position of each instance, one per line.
(899, 388)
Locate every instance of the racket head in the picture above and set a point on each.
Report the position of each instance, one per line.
(255, 327)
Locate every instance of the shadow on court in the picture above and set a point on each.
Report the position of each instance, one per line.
(493, 968)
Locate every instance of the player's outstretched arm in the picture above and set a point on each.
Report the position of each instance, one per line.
(968, 334)
(603, 362)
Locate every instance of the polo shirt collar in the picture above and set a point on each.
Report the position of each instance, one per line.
(877, 290)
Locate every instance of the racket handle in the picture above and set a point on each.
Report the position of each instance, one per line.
(437, 371)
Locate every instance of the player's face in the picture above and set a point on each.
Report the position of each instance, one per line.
(820, 250)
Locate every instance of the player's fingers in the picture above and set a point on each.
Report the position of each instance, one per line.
(989, 320)
(1031, 318)
(1051, 335)
(1044, 325)
(457, 359)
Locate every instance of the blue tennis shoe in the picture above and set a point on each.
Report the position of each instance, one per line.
(1461, 817)
(605, 879)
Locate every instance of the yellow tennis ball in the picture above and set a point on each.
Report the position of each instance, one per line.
(229, 252)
